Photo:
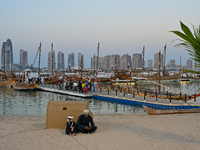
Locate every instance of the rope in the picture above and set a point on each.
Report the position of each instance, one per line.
(163, 86)
(17, 132)
(39, 130)
(79, 142)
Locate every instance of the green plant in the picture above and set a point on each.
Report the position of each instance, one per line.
(190, 41)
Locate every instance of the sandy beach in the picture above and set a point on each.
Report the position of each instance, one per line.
(114, 132)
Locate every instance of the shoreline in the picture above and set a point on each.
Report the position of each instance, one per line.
(115, 131)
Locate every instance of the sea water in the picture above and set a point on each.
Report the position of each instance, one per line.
(14, 102)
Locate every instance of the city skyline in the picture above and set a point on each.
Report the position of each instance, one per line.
(77, 26)
(106, 62)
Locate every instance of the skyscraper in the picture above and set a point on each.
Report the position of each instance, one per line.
(156, 60)
(189, 64)
(112, 61)
(106, 62)
(150, 64)
(50, 60)
(79, 60)
(8, 55)
(125, 60)
(23, 57)
(61, 60)
(71, 62)
(137, 61)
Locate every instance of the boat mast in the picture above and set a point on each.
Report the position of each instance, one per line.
(39, 49)
(143, 59)
(81, 65)
(52, 58)
(24, 78)
(94, 58)
(159, 69)
(98, 56)
(115, 69)
(4, 62)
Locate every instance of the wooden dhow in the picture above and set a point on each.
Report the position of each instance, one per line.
(152, 111)
(24, 87)
(5, 83)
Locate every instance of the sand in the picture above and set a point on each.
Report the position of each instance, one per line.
(136, 132)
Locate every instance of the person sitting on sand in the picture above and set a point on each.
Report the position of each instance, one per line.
(85, 123)
(71, 126)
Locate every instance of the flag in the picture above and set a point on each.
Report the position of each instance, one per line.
(96, 73)
(128, 66)
(112, 67)
(130, 73)
(66, 69)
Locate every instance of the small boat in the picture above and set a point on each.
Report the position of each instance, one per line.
(152, 111)
(24, 87)
(6, 83)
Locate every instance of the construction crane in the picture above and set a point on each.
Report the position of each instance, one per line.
(39, 51)
(165, 73)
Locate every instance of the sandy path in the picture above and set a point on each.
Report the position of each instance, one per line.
(114, 132)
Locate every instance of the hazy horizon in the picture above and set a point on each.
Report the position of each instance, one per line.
(77, 26)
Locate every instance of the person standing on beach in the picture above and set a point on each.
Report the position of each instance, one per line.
(85, 123)
(71, 126)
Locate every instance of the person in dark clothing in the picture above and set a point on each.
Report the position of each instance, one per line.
(71, 126)
(85, 123)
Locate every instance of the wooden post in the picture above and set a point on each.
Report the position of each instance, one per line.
(156, 97)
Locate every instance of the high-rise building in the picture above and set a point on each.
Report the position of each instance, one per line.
(61, 61)
(156, 60)
(71, 59)
(125, 60)
(189, 64)
(8, 51)
(172, 61)
(50, 60)
(79, 60)
(150, 64)
(106, 62)
(23, 58)
(112, 61)
(94, 62)
(137, 61)
(144, 64)
(197, 64)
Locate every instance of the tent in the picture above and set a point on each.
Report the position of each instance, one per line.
(58, 111)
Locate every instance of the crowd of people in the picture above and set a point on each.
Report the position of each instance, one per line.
(73, 85)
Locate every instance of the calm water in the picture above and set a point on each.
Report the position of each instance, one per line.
(35, 102)
(14, 102)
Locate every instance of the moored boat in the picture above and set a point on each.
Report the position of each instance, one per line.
(6, 83)
(19, 86)
(152, 111)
